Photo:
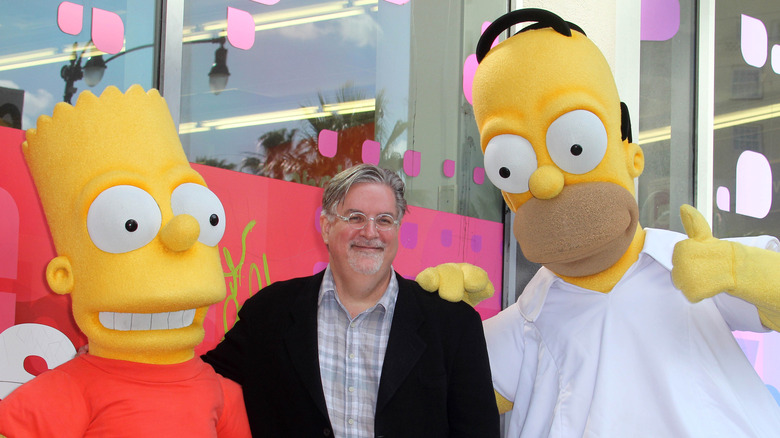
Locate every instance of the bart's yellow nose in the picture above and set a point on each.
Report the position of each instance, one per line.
(180, 233)
(546, 182)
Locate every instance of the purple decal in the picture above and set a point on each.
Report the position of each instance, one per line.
(328, 143)
(754, 185)
(70, 17)
(446, 238)
(479, 175)
(319, 266)
(448, 168)
(723, 199)
(398, 2)
(408, 235)
(108, 31)
(266, 2)
(240, 28)
(469, 68)
(412, 163)
(660, 19)
(753, 41)
(370, 152)
(776, 58)
(476, 243)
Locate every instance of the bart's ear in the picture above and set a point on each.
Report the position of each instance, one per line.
(59, 275)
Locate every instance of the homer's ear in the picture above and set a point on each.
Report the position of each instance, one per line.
(59, 275)
(636, 160)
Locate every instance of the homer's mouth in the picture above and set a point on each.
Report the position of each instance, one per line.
(147, 321)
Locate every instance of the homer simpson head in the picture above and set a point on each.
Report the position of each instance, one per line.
(134, 226)
(556, 140)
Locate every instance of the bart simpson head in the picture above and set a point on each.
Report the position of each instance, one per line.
(134, 226)
(557, 143)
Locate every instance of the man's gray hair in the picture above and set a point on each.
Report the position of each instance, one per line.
(337, 188)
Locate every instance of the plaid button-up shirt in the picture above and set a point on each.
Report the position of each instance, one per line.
(351, 353)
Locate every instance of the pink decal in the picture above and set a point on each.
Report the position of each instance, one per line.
(9, 235)
(266, 2)
(408, 235)
(485, 25)
(108, 31)
(753, 41)
(479, 175)
(7, 310)
(723, 199)
(70, 18)
(317, 213)
(240, 28)
(448, 168)
(319, 266)
(660, 19)
(412, 163)
(754, 185)
(446, 238)
(398, 2)
(753, 346)
(776, 58)
(328, 143)
(370, 152)
(469, 68)
(476, 243)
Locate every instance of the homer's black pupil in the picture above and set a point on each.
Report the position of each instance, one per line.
(214, 220)
(576, 150)
(131, 225)
(504, 172)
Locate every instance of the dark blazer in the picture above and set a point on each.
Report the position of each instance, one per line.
(435, 380)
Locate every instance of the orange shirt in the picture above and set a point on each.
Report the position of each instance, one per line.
(91, 396)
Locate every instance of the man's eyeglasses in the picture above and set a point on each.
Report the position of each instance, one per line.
(358, 220)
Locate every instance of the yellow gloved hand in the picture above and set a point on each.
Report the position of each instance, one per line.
(457, 282)
(705, 266)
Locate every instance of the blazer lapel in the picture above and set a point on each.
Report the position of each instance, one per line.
(404, 345)
(301, 342)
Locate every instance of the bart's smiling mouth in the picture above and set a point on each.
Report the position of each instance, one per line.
(147, 321)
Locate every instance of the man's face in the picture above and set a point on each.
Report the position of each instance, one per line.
(367, 251)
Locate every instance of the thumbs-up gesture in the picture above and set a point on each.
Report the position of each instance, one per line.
(703, 265)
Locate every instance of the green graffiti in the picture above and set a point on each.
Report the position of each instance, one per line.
(234, 275)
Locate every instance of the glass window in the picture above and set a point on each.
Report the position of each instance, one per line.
(51, 50)
(746, 174)
(316, 86)
(666, 114)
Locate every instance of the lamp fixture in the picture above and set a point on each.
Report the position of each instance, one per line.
(95, 66)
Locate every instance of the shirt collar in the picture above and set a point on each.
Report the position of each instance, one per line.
(328, 289)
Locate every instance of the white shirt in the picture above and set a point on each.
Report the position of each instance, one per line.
(351, 353)
(640, 360)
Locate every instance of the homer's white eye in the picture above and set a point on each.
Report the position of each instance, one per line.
(123, 218)
(202, 204)
(509, 162)
(577, 141)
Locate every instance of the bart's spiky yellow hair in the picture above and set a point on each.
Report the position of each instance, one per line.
(78, 143)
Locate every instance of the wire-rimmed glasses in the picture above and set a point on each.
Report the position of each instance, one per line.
(359, 220)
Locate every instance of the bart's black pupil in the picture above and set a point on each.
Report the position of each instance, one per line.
(504, 172)
(131, 225)
(576, 150)
(214, 220)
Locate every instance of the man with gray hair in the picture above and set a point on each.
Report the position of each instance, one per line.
(357, 350)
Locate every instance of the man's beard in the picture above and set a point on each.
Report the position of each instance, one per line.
(366, 263)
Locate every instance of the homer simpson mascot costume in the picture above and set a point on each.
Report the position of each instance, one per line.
(135, 230)
(624, 331)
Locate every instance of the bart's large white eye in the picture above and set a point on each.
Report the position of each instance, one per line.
(577, 141)
(202, 204)
(509, 162)
(123, 218)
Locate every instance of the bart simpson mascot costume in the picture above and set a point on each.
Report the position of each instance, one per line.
(624, 331)
(135, 230)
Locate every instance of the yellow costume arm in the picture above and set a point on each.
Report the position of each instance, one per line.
(705, 266)
(504, 405)
(457, 282)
